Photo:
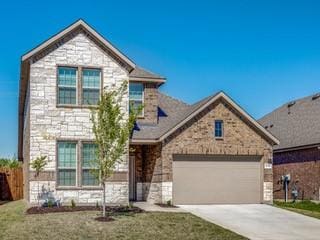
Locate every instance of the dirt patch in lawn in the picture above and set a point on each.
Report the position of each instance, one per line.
(111, 210)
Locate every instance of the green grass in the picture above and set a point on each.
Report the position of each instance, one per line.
(14, 224)
(307, 208)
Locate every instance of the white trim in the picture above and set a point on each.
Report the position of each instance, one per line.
(143, 141)
(234, 105)
(142, 79)
(72, 27)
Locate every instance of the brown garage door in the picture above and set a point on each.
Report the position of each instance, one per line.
(216, 179)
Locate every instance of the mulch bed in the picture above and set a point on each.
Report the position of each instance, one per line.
(104, 219)
(112, 210)
(166, 205)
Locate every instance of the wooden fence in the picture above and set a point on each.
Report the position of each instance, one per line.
(11, 184)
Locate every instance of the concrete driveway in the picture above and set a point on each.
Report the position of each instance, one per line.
(259, 221)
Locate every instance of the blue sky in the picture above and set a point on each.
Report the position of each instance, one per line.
(261, 53)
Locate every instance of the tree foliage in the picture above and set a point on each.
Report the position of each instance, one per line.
(10, 163)
(38, 164)
(112, 126)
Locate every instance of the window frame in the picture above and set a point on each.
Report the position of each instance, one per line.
(222, 129)
(141, 115)
(82, 88)
(81, 168)
(57, 164)
(76, 86)
(79, 89)
(78, 185)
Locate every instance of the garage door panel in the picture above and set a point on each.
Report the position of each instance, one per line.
(210, 182)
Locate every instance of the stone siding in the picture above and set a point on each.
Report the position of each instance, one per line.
(49, 123)
(116, 193)
(26, 153)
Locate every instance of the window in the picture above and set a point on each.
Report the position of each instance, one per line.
(74, 171)
(91, 86)
(67, 163)
(67, 85)
(218, 129)
(136, 95)
(88, 156)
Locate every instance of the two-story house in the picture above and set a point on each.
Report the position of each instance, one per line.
(208, 152)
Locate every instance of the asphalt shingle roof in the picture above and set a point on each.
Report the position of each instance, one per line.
(175, 110)
(296, 123)
(139, 72)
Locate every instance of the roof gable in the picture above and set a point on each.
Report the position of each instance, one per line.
(188, 112)
(68, 33)
(208, 101)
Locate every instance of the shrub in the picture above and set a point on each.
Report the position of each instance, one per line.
(73, 203)
(9, 163)
(169, 203)
(50, 203)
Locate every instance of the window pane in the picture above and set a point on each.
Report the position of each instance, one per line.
(218, 128)
(136, 105)
(88, 154)
(90, 96)
(67, 155)
(91, 78)
(67, 95)
(136, 91)
(66, 177)
(67, 76)
(88, 179)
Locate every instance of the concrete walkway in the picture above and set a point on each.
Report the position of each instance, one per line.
(149, 207)
(258, 221)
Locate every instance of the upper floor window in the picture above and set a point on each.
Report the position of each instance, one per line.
(136, 95)
(69, 87)
(218, 128)
(91, 86)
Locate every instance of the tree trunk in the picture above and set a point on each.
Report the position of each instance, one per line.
(38, 196)
(104, 200)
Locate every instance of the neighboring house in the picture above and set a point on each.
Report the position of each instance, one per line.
(208, 152)
(297, 125)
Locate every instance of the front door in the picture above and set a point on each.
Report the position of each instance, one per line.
(132, 179)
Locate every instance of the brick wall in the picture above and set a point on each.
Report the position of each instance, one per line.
(304, 168)
(196, 137)
(150, 104)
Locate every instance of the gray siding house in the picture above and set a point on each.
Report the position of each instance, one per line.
(208, 152)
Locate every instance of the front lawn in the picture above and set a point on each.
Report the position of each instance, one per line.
(307, 208)
(15, 224)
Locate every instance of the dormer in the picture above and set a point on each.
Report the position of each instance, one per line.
(143, 89)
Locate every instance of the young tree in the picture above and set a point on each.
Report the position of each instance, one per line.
(38, 165)
(112, 128)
